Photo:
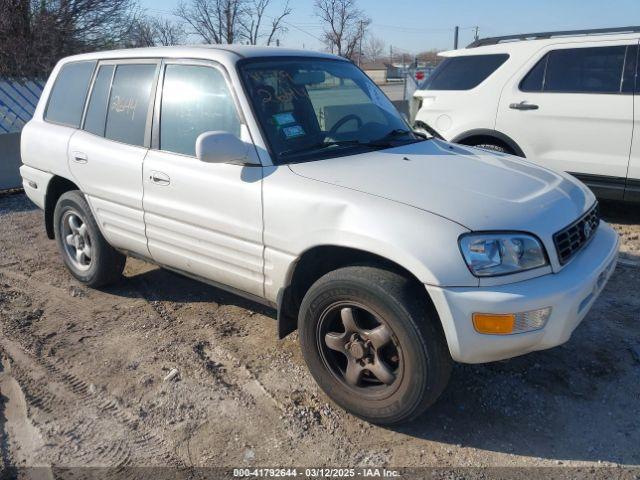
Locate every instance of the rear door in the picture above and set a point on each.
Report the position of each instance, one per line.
(106, 156)
(571, 109)
(204, 219)
(633, 179)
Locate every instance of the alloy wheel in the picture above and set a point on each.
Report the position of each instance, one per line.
(360, 349)
(76, 240)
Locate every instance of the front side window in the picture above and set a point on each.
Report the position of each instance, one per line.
(578, 70)
(69, 92)
(464, 73)
(316, 108)
(195, 99)
(129, 103)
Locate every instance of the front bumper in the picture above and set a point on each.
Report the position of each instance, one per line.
(570, 293)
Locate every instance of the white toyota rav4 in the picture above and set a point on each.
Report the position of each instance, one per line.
(288, 177)
(566, 100)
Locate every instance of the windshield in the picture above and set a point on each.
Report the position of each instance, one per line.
(319, 108)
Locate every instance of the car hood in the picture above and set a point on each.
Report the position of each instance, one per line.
(478, 189)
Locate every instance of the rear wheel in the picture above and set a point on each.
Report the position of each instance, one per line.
(85, 252)
(372, 343)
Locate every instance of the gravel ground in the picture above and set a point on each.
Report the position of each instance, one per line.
(83, 378)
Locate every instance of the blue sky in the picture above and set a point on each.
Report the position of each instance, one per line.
(416, 25)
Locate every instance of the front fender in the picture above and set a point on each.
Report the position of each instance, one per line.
(300, 214)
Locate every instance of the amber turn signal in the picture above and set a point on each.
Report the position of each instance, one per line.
(494, 323)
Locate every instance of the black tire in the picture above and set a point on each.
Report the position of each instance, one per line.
(389, 299)
(103, 264)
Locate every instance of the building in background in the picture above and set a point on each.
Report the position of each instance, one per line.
(377, 71)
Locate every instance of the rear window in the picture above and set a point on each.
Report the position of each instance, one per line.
(464, 73)
(69, 92)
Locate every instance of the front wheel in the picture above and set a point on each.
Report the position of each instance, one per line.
(85, 252)
(372, 343)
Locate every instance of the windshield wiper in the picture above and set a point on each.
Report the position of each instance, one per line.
(320, 146)
(385, 141)
(389, 137)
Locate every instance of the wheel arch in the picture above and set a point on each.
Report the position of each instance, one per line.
(480, 134)
(316, 262)
(56, 187)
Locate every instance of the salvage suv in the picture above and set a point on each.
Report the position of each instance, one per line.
(289, 178)
(565, 100)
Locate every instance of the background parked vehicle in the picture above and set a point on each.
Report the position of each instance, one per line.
(565, 100)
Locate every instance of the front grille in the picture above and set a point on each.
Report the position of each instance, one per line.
(570, 240)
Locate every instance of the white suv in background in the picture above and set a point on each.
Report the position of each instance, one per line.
(566, 100)
(289, 178)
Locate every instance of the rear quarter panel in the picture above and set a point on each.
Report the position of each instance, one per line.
(454, 112)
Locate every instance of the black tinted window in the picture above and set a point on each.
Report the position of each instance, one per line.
(585, 70)
(629, 81)
(195, 99)
(129, 103)
(97, 110)
(533, 81)
(464, 73)
(69, 93)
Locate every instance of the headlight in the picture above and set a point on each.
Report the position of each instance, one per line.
(492, 254)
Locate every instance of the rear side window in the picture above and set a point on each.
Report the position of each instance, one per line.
(69, 92)
(129, 103)
(195, 99)
(97, 110)
(464, 73)
(585, 70)
(535, 78)
(579, 70)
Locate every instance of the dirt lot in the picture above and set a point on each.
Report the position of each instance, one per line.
(82, 378)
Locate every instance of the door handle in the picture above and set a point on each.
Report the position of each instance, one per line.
(523, 106)
(80, 157)
(159, 178)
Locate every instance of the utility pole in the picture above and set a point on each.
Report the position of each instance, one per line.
(390, 54)
(476, 36)
(455, 37)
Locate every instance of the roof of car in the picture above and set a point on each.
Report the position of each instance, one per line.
(202, 51)
(533, 41)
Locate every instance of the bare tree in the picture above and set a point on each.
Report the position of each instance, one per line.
(374, 48)
(154, 31)
(231, 21)
(346, 25)
(168, 32)
(429, 57)
(215, 21)
(43, 31)
(251, 22)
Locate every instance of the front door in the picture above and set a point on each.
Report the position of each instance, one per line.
(204, 219)
(571, 109)
(106, 155)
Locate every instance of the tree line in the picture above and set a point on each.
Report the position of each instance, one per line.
(35, 34)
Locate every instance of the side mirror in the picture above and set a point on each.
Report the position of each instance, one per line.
(221, 147)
